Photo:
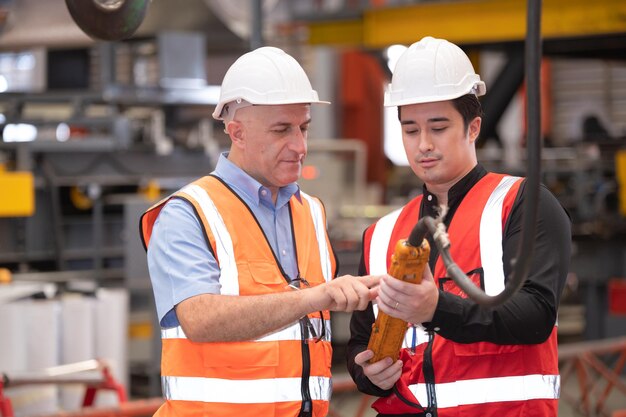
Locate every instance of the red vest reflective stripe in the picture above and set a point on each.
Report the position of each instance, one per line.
(462, 368)
(227, 372)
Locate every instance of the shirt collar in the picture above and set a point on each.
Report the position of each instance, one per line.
(457, 191)
(243, 183)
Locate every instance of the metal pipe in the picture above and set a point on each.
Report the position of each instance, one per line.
(95, 193)
(135, 408)
(501, 92)
(88, 372)
(256, 36)
(57, 227)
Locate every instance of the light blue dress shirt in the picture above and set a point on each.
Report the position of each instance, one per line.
(180, 263)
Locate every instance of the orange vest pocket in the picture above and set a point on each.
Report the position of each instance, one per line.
(260, 277)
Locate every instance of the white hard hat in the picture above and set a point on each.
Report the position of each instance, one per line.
(265, 76)
(432, 70)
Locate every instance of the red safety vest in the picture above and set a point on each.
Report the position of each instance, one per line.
(270, 376)
(475, 379)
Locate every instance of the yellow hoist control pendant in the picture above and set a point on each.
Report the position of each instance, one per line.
(407, 264)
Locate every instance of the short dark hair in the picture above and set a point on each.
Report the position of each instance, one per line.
(467, 105)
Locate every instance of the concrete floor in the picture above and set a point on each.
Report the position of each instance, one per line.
(351, 404)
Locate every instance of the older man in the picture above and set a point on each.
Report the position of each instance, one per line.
(228, 253)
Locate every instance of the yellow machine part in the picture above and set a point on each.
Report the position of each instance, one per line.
(465, 22)
(79, 199)
(17, 194)
(152, 191)
(5, 276)
(620, 174)
(140, 330)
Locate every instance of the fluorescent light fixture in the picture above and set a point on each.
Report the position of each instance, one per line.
(19, 132)
(63, 132)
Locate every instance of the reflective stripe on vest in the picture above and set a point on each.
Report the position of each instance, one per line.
(491, 238)
(320, 233)
(490, 390)
(379, 245)
(224, 243)
(256, 391)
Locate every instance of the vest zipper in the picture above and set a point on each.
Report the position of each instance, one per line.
(306, 409)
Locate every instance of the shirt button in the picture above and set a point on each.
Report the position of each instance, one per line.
(284, 252)
(263, 192)
(430, 197)
(429, 415)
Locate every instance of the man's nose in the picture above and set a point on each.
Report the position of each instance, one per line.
(425, 144)
(298, 142)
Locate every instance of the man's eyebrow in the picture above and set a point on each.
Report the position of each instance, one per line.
(286, 124)
(438, 119)
(432, 120)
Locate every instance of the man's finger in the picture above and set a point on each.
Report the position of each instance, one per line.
(370, 280)
(363, 357)
(339, 298)
(374, 293)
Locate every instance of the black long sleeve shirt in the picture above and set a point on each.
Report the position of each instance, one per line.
(528, 317)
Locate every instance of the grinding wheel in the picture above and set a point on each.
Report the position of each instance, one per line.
(109, 20)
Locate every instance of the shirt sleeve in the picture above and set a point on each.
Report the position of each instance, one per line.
(528, 317)
(180, 262)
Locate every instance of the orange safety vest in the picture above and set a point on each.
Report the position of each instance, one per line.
(281, 374)
(482, 379)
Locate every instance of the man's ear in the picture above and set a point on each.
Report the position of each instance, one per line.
(473, 129)
(236, 131)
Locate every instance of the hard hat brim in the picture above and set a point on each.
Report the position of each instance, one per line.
(217, 113)
(393, 99)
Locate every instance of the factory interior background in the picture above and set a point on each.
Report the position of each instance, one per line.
(94, 132)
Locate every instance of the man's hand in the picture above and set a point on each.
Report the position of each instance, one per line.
(414, 303)
(383, 373)
(346, 293)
